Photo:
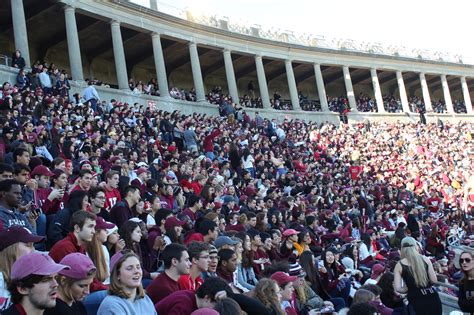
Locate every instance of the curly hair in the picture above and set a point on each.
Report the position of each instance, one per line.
(265, 292)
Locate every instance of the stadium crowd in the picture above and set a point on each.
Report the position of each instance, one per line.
(142, 211)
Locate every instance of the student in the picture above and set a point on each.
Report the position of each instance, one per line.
(14, 243)
(176, 261)
(200, 258)
(33, 284)
(126, 293)
(74, 285)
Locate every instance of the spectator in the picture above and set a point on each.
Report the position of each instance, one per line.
(186, 301)
(17, 60)
(83, 228)
(418, 275)
(59, 226)
(466, 286)
(176, 263)
(33, 284)
(122, 211)
(15, 242)
(10, 198)
(74, 284)
(126, 294)
(199, 257)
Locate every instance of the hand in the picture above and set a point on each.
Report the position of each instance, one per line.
(56, 194)
(159, 243)
(25, 208)
(120, 245)
(323, 269)
(32, 184)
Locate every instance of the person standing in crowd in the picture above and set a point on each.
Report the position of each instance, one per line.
(90, 95)
(17, 60)
(33, 284)
(15, 242)
(199, 257)
(414, 275)
(466, 285)
(74, 285)
(122, 210)
(126, 293)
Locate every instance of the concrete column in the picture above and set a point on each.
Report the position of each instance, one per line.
(119, 56)
(290, 75)
(447, 95)
(19, 30)
(262, 82)
(160, 65)
(229, 72)
(467, 96)
(154, 5)
(197, 74)
(403, 92)
(74, 50)
(323, 99)
(426, 93)
(377, 91)
(349, 89)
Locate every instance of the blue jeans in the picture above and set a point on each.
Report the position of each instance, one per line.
(93, 300)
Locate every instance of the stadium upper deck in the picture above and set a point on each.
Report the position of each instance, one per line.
(115, 41)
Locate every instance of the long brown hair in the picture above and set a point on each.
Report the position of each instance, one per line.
(115, 287)
(466, 275)
(96, 253)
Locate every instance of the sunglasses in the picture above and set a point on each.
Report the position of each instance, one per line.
(464, 260)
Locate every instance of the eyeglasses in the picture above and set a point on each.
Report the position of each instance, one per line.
(464, 260)
(205, 257)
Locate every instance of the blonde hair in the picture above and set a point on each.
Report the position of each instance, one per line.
(417, 265)
(265, 293)
(96, 253)
(115, 287)
(7, 257)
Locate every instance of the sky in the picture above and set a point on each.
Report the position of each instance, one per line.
(434, 25)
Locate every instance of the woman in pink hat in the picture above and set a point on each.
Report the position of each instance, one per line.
(14, 243)
(74, 285)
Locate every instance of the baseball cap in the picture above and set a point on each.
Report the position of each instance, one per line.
(290, 232)
(142, 164)
(35, 263)
(101, 224)
(112, 230)
(141, 170)
(171, 222)
(282, 278)
(205, 311)
(224, 240)
(15, 234)
(41, 170)
(377, 269)
(80, 266)
(6, 130)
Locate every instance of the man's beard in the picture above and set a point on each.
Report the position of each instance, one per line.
(44, 303)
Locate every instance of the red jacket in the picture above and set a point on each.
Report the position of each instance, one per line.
(69, 245)
(207, 144)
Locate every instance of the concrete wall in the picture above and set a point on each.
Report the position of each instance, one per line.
(9, 74)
